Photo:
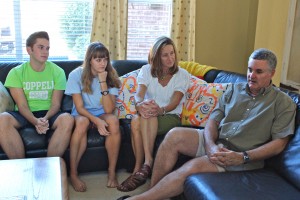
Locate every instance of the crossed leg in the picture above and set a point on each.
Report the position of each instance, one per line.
(164, 184)
(172, 184)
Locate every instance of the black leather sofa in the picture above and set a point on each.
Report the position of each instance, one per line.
(280, 179)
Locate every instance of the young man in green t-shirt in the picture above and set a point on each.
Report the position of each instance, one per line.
(37, 88)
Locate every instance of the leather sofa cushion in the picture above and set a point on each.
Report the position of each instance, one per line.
(230, 77)
(287, 163)
(126, 66)
(5, 67)
(32, 140)
(247, 185)
(211, 75)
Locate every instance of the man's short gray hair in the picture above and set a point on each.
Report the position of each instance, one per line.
(265, 54)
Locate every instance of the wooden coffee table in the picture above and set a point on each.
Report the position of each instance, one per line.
(33, 178)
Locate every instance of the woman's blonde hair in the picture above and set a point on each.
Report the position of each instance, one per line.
(98, 50)
(155, 60)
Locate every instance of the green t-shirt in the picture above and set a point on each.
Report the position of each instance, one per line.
(37, 86)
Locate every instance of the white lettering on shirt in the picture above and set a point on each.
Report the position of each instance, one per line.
(38, 95)
(38, 90)
(44, 85)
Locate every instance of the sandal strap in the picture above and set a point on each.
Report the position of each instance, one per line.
(144, 172)
(131, 183)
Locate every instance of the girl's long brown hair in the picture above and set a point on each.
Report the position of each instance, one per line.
(98, 50)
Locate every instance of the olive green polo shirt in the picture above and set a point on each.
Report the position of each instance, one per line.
(247, 122)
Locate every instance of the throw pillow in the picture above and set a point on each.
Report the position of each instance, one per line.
(201, 99)
(125, 107)
(195, 81)
(6, 102)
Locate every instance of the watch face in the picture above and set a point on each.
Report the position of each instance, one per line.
(246, 158)
(104, 93)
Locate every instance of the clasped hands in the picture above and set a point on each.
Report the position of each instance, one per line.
(148, 108)
(42, 125)
(224, 157)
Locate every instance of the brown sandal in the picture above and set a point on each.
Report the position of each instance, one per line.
(135, 180)
(144, 172)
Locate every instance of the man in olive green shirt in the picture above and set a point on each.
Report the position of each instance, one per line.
(252, 122)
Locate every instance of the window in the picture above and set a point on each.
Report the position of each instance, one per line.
(147, 20)
(69, 24)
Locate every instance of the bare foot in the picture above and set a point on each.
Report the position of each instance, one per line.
(78, 185)
(112, 181)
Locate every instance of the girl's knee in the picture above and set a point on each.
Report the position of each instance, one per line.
(112, 120)
(81, 121)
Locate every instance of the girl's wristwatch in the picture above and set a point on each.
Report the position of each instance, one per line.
(105, 92)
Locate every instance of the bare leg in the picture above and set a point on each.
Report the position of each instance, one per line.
(77, 148)
(10, 139)
(178, 140)
(144, 132)
(137, 143)
(172, 184)
(132, 182)
(149, 133)
(60, 139)
(112, 144)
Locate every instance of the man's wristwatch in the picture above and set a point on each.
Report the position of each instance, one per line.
(246, 157)
(104, 93)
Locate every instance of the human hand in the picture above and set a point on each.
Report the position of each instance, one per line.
(226, 157)
(102, 76)
(42, 125)
(149, 108)
(101, 127)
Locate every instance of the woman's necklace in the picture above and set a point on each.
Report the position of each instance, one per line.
(164, 75)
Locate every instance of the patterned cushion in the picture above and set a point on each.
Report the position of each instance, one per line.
(125, 102)
(195, 81)
(201, 99)
(7, 103)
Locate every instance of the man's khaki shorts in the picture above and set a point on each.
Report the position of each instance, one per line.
(201, 149)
